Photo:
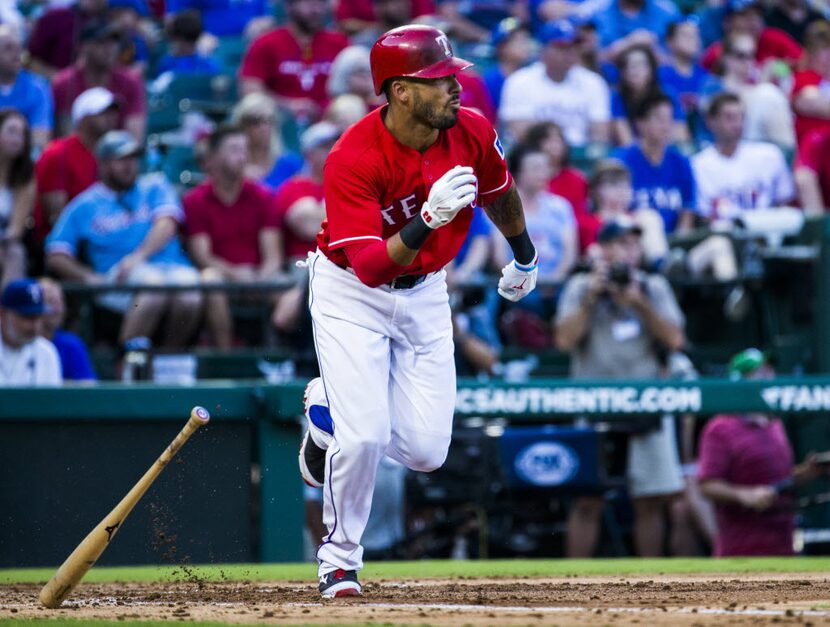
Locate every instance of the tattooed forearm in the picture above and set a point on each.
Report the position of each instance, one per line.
(506, 213)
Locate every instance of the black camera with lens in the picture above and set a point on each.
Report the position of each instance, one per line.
(619, 274)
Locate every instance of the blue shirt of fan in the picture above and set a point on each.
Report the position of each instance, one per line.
(30, 94)
(223, 18)
(75, 361)
(688, 88)
(188, 64)
(655, 16)
(668, 187)
(479, 227)
(107, 226)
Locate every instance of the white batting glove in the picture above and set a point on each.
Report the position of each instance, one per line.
(517, 281)
(449, 195)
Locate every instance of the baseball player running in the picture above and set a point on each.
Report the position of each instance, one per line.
(400, 186)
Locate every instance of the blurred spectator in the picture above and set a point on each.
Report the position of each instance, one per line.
(26, 92)
(735, 175)
(292, 62)
(67, 166)
(639, 82)
(183, 33)
(811, 86)
(474, 95)
(473, 20)
(56, 35)
(812, 172)
(791, 16)
(233, 227)
(351, 74)
(268, 162)
(126, 226)
(227, 18)
(300, 198)
(345, 110)
(513, 49)
(74, 357)
(768, 115)
(611, 196)
(661, 175)
(302, 210)
(557, 89)
(628, 22)
(746, 16)
(25, 357)
(97, 66)
(125, 17)
(744, 460)
(549, 218)
(565, 181)
(615, 322)
(366, 20)
(683, 73)
(17, 192)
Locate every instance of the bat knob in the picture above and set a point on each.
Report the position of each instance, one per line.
(200, 413)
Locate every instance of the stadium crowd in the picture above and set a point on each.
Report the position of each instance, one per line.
(182, 144)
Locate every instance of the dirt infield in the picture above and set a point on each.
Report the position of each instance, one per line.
(802, 599)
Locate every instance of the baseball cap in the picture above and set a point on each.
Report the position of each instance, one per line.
(746, 362)
(558, 32)
(96, 30)
(736, 6)
(117, 145)
(504, 29)
(319, 134)
(622, 225)
(92, 102)
(24, 297)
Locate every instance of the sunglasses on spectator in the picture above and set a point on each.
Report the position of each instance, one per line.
(743, 55)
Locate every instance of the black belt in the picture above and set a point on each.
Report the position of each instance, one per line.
(408, 281)
(403, 282)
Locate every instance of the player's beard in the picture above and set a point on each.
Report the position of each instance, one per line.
(429, 114)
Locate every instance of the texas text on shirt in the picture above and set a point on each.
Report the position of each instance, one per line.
(756, 176)
(371, 195)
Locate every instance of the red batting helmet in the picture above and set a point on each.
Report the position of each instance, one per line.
(415, 51)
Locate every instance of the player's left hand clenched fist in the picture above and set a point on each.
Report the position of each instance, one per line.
(517, 280)
(449, 195)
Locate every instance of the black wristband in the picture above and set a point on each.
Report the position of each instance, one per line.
(415, 233)
(522, 247)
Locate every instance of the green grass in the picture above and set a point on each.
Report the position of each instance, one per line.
(444, 568)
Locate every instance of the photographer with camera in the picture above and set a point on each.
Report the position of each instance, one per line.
(616, 322)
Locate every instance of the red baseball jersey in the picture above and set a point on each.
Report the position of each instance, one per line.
(287, 70)
(804, 125)
(374, 185)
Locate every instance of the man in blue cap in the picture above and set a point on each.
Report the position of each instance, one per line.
(558, 89)
(25, 358)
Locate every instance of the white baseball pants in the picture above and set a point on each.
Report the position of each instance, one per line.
(388, 370)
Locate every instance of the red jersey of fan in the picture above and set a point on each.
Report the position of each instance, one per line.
(374, 185)
(65, 165)
(814, 154)
(772, 44)
(234, 229)
(294, 189)
(290, 71)
(365, 9)
(805, 124)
